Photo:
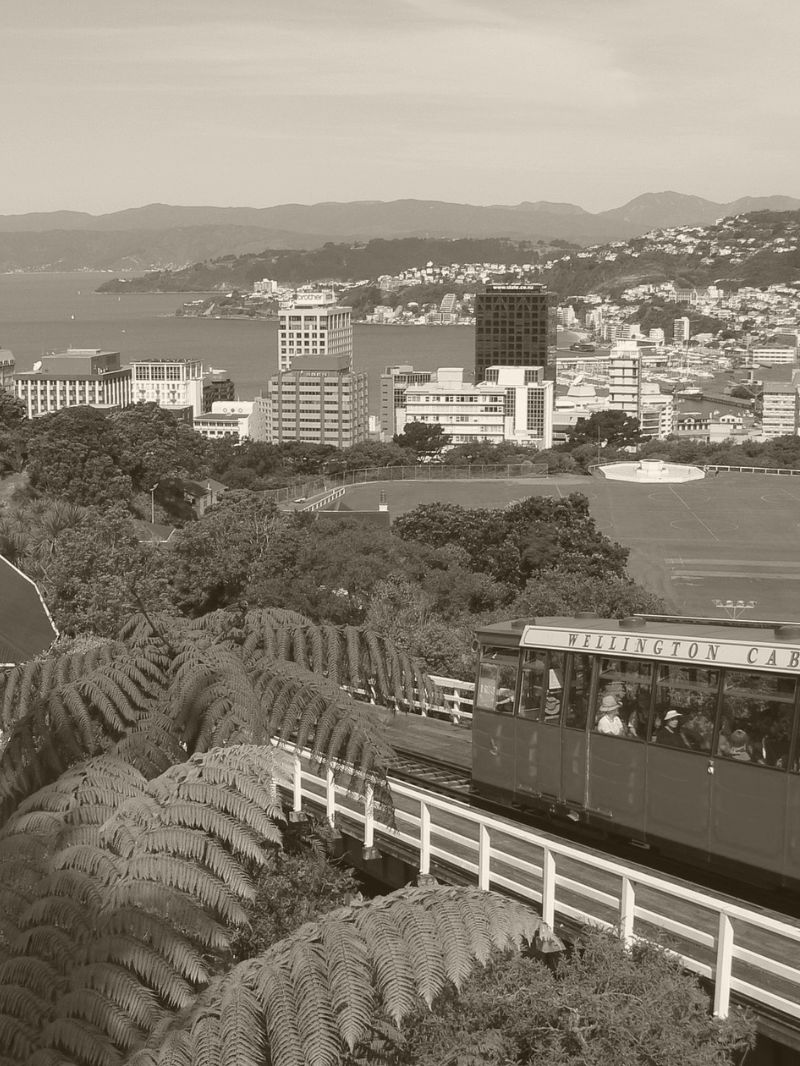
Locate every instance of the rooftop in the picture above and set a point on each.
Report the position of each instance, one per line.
(26, 628)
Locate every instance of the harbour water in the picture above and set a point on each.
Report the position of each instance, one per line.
(41, 313)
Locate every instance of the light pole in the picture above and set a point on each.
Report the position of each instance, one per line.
(153, 503)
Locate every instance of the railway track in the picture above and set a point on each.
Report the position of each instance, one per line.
(448, 779)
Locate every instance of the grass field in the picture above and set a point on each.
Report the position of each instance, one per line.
(736, 536)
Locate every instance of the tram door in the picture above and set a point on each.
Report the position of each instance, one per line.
(537, 739)
(573, 735)
(679, 784)
(617, 760)
(750, 779)
(493, 721)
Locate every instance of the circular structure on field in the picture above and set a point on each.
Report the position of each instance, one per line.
(651, 472)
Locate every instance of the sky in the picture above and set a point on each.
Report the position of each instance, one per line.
(257, 102)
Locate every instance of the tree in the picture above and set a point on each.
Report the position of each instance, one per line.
(613, 429)
(557, 592)
(74, 454)
(12, 411)
(425, 440)
(154, 443)
(125, 879)
(325, 570)
(98, 574)
(212, 559)
(601, 1004)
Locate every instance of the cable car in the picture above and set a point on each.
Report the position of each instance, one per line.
(677, 733)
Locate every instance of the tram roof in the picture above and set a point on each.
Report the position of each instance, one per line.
(711, 629)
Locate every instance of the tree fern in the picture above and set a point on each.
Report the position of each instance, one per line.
(128, 924)
(312, 996)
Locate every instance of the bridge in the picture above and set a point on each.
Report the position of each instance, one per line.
(746, 953)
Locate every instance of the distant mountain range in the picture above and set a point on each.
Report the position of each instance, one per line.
(163, 236)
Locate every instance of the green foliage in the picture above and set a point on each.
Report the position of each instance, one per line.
(613, 429)
(12, 411)
(426, 440)
(295, 885)
(88, 457)
(314, 995)
(512, 543)
(554, 593)
(74, 455)
(153, 443)
(211, 560)
(602, 1004)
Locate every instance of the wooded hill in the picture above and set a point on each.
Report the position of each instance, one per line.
(759, 249)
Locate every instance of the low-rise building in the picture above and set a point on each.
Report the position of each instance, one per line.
(236, 419)
(511, 404)
(174, 384)
(7, 367)
(466, 413)
(78, 377)
(773, 355)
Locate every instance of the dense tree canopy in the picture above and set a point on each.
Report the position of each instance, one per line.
(425, 440)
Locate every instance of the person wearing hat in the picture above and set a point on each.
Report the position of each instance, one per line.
(609, 721)
(669, 732)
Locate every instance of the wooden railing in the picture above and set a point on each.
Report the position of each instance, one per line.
(743, 951)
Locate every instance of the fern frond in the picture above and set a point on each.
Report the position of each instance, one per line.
(241, 1028)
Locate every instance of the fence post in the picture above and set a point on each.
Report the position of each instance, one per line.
(330, 797)
(722, 970)
(484, 858)
(424, 839)
(627, 909)
(548, 888)
(297, 784)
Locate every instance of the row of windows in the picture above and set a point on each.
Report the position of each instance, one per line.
(744, 715)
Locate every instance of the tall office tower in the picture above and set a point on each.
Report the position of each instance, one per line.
(681, 330)
(313, 325)
(321, 401)
(628, 392)
(515, 325)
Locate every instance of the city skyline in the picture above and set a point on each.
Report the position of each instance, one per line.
(461, 100)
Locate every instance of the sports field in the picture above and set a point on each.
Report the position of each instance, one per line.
(735, 537)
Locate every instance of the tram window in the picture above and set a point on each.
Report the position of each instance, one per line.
(685, 707)
(541, 686)
(579, 687)
(622, 704)
(757, 718)
(497, 680)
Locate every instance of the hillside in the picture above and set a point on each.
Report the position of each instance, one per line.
(758, 248)
(340, 262)
(163, 235)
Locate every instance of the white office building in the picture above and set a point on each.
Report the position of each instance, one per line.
(513, 404)
(236, 419)
(779, 409)
(314, 326)
(627, 391)
(174, 384)
(78, 377)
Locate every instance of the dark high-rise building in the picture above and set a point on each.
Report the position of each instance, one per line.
(515, 325)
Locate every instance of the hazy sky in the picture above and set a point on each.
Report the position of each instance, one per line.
(109, 105)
